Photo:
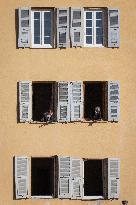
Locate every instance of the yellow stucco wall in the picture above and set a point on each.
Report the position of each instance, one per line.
(98, 141)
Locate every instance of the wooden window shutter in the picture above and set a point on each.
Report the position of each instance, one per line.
(76, 96)
(113, 100)
(63, 114)
(24, 27)
(64, 177)
(111, 178)
(113, 28)
(62, 27)
(25, 101)
(21, 177)
(76, 178)
(76, 29)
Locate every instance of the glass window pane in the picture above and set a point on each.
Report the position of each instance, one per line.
(88, 23)
(88, 31)
(99, 31)
(99, 40)
(47, 28)
(98, 23)
(36, 27)
(89, 39)
(37, 15)
(88, 15)
(47, 40)
(99, 15)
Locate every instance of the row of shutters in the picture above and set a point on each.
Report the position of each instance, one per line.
(70, 101)
(69, 27)
(70, 177)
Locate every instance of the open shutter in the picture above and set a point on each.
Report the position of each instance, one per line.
(76, 29)
(24, 27)
(113, 28)
(62, 27)
(25, 101)
(76, 95)
(63, 102)
(21, 177)
(111, 178)
(64, 177)
(76, 178)
(113, 100)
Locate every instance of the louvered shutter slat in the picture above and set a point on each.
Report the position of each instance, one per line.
(114, 180)
(24, 27)
(62, 27)
(113, 100)
(113, 28)
(25, 101)
(76, 178)
(64, 177)
(63, 102)
(76, 101)
(76, 29)
(111, 180)
(21, 177)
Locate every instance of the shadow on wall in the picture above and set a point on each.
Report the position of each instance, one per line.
(16, 27)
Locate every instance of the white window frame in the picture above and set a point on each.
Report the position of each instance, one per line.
(94, 44)
(42, 44)
(89, 197)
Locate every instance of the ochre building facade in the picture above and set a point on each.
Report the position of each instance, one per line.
(37, 74)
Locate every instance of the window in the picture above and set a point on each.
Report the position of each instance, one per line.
(43, 99)
(94, 32)
(95, 95)
(69, 101)
(93, 179)
(67, 178)
(68, 27)
(42, 28)
(42, 177)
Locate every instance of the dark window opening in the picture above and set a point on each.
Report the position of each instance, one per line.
(95, 95)
(42, 176)
(93, 184)
(43, 99)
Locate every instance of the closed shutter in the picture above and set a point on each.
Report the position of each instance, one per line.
(111, 180)
(76, 101)
(113, 28)
(25, 101)
(24, 27)
(113, 100)
(63, 102)
(64, 177)
(76, 178)
(21, 177)
(76, 29)
(62, 27)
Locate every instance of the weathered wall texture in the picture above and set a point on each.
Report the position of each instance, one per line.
(98, 141)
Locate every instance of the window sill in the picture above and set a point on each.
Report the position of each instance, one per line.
(41, 197)
(44, 46)
(93, 46)
(92, 197)
(80, 121)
